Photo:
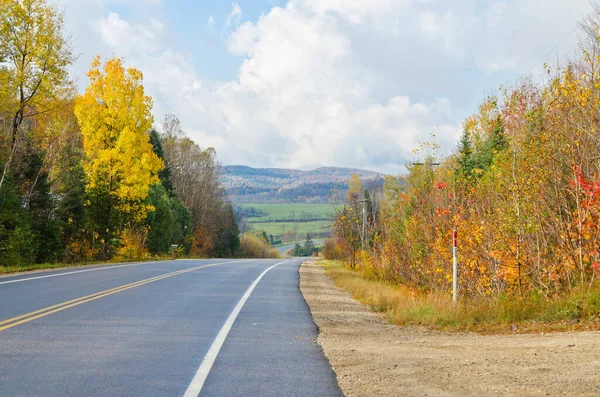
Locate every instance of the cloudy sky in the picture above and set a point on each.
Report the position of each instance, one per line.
(307, 83)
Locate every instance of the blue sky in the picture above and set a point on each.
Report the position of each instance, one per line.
(308, 83)
(193, 34)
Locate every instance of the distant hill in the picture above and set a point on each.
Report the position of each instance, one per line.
(278, 185)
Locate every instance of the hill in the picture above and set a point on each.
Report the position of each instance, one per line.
(278, 185)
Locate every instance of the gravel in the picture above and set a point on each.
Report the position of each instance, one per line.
(372, 358)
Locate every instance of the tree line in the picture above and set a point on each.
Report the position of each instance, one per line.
(522, 188)
(87, 176)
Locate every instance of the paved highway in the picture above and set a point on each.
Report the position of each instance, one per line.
(174, 328)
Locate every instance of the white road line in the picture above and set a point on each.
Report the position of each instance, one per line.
(82, 271)
(197, 383)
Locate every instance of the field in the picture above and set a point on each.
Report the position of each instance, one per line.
(290, 211)
(299, 219)
(278, 229)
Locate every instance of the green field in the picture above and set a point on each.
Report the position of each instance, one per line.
(298, 218)
(277, 228)
(290, 211)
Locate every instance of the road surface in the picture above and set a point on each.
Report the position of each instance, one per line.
(174, 328)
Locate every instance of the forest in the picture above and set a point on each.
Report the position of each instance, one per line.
(522, 188)
(89, 176)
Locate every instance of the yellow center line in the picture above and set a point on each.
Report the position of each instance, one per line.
(25, 318)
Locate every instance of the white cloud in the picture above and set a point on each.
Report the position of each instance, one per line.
(235, 16)
(127, 39)
(343, 82)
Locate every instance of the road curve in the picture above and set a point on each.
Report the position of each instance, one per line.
(173, 328)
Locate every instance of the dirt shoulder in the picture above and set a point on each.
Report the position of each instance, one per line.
(372, 358)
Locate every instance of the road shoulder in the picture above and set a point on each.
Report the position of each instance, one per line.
(371, 357)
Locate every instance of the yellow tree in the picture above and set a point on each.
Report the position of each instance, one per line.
(34, 58)
(115, 116)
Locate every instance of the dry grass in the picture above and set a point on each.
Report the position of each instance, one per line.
(253, 247)
(498, 314)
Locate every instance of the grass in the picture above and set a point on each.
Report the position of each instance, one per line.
(291, 217)
(577, 310)
(276, 228)
(290, 211)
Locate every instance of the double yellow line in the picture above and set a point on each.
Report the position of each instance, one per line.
(25, 318)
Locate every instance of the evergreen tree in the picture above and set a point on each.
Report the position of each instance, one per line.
(494, 143)
(165, 174)
(309, 246)
(465, 160)
(298, 251)
(161, 220)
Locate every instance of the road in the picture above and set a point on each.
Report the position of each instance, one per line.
(173, 328)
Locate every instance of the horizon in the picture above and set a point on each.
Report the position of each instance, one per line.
(305, 170)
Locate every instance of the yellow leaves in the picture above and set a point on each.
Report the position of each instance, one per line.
(114, 115)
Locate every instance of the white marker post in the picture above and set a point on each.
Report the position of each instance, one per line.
(454, 264)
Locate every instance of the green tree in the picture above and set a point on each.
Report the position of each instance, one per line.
(161, 220)
(298, 251)
(165, 174)
(70, 212)
(309, 246)
(227, 237)
(465, 160)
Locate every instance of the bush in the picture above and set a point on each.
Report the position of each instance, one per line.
(332, 250)
(253, 246)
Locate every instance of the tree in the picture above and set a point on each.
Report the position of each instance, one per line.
(165, 174)
(227, 235)
(309, 246)
(298, 250)
(161, 220)
(114, 116)
(346, 227)
(35, 56)
(465, 159)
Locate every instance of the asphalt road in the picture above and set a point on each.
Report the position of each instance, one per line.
(175, 328)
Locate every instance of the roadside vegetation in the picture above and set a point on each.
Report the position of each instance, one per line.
(90, 177)
(254, 246)
(523, 189)
(577, 310)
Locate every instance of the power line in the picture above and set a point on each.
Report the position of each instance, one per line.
(577, 26)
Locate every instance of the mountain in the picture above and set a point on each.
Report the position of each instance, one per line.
(279, 185)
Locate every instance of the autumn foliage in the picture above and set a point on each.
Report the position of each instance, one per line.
(89, 177)
(523, 189)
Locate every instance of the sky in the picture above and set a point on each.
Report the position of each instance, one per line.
(309, 83)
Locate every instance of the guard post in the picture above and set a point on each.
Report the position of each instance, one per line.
(454, 265)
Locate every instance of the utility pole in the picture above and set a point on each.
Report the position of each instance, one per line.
(362, 234)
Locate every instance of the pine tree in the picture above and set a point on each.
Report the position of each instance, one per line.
(309, 246)
(466, 160)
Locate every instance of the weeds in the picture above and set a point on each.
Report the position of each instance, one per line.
(580, 309)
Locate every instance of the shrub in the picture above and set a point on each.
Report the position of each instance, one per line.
(253, 246)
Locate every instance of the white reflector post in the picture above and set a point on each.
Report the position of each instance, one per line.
(454, 264)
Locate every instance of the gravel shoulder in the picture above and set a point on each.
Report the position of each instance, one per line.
(372, 358)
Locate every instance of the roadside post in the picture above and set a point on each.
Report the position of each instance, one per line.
(454, 264)
(173, 249)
